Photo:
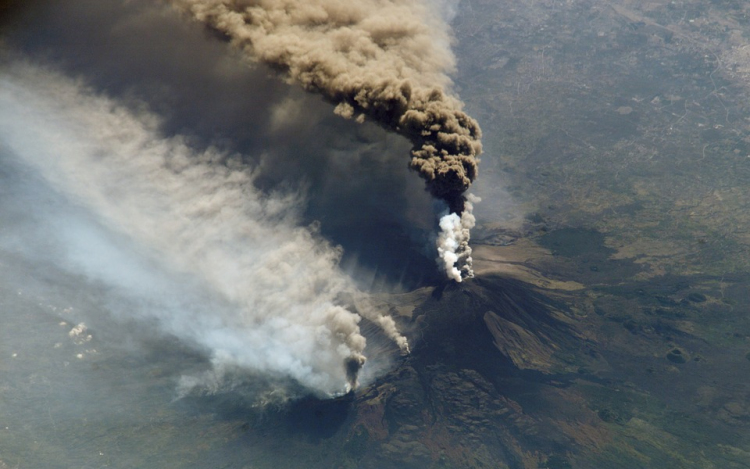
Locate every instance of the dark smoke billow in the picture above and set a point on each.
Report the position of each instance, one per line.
(386, 61)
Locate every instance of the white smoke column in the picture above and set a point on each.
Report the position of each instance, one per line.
(199, 216)
(453, 241)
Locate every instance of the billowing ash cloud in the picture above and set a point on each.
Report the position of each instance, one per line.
(263, 289)
(382, 60)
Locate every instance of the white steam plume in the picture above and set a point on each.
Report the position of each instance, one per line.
(453, 241)
(200, 217)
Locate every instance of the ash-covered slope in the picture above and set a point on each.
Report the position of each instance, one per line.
(477, 391)
(492, 325)
(482, 349)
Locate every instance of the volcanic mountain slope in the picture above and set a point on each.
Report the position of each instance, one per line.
(458, 400)
(485, 386)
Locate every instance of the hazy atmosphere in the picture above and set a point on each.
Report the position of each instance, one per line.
(376, 234)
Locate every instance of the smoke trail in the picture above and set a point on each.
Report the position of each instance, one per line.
(274, 283)
(387, 324)
(383, 60)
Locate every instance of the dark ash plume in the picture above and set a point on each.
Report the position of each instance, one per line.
(383, 60)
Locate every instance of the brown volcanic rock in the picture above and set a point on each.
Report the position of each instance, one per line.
(472, 322)
(452, 403)
(524, 348)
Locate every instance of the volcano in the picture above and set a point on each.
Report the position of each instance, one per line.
(486, 353)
